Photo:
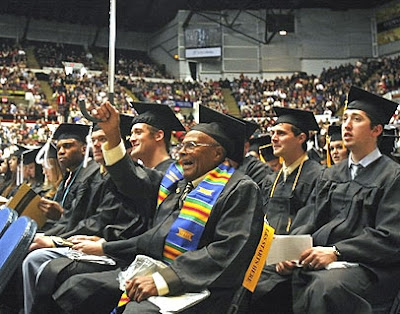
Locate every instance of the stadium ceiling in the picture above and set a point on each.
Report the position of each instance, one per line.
(150, 15)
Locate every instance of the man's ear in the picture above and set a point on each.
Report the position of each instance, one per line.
(159, 135)
(302, 137)
(220, 153)
(377, 130)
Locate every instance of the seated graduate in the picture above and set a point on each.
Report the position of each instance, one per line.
(33, 172)
(336, 151)
(356, 221)
(207, 236)
(288, 191)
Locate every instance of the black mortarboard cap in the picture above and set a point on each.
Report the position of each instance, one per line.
(302, 119)
(226, 130)
(259, 140)
(125, 126)
(70, 130)
(19, 151)
(251, 126)
(157, 115)
(379, 109)
(267, 153)
(30, 155)
(335, 133)
(52, 153)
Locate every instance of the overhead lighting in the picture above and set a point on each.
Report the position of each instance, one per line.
(283, 33)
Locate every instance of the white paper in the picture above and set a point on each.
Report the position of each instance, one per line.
(175, 304)
(288, 247)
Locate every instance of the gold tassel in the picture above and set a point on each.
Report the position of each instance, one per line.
(260, 154)
(328, 152)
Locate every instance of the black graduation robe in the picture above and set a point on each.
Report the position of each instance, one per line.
(361, 217)
(282, 208)
(225, 249)
(255, 169)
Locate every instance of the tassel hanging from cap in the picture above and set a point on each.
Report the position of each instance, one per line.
(42, 155)
(328, 152)
(89, 145)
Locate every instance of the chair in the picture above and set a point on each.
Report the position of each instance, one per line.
(7, 216)
(14, 245)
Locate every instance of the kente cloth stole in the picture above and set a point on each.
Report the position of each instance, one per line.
(186, 231)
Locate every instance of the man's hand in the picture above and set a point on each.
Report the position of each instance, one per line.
(285, 268)
(80, 238)
(90, 247)
(41, 242)
(318, 257)
(50, 208)
(141, 288)
(110, 125)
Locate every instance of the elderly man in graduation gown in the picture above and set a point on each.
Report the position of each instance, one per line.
(222, 217)
(288, 191)
(355, 223)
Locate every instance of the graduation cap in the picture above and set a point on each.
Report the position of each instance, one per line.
(251, 126)
(125, 126)
(19, 151)
(29, 156)
(379, 109)
(258, 141)
(71, 130)
(229, 132)
(157, 115)
(302, 119)
(335, 133)
(267, 153)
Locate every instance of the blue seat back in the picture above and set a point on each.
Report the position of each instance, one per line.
(14, 245)
(7, 216)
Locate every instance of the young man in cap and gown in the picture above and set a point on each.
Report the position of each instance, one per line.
(215, 255)
(286, 192)
(355, 222)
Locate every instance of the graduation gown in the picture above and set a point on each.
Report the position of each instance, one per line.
(224, 252)
(255, 169)
(361, 217)
(283, 207)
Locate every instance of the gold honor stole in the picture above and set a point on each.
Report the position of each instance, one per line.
(256, 266)
(186, 231)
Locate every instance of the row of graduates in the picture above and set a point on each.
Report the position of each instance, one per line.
(351, 218)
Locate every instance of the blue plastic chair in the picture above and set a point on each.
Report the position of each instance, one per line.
(7, 216)
(14, 245)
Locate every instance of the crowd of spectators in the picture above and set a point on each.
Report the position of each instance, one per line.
(53, 54)
(323, 94)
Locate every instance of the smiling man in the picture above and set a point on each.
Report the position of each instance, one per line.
(356, 221)
(289, 190)
(224, 235)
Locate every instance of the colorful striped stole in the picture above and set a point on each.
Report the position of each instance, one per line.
(186, 231)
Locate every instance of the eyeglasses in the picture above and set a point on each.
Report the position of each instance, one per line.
(190, 146)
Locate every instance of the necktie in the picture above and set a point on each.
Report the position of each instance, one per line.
(356, 169)
(68, 179)
(189, 186)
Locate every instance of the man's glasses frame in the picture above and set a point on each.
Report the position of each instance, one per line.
(191, 146)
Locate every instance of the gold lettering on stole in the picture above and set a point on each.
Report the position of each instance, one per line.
(187, 235)
(253, 272)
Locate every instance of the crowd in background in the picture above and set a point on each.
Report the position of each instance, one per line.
(323, 94)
